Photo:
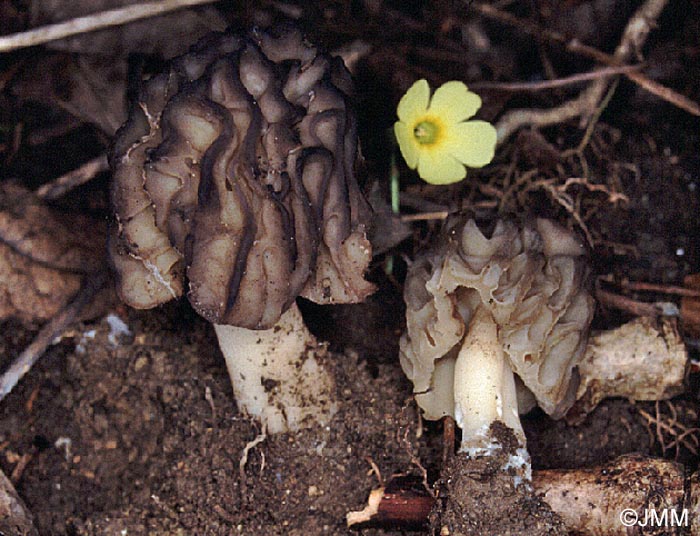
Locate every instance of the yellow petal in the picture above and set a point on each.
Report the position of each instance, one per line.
(414, 102)
(453, 102)
(407, 144)
(473, 143)
(438, 167)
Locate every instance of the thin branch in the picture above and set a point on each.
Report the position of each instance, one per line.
(665, 93)
(48, 333)
(633, 39)
(663, 289)
(586, 102)
(422, 216)
(448, 438)
(559, 82)
(65, 183)
(635, 307)
(594, 117)
(90, 23)
(641, 23)
(572, 45)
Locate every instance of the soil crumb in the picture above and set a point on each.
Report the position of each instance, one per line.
(478, 496)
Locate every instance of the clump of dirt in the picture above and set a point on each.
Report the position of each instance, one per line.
(480, 497)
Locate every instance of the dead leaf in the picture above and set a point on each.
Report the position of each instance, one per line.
(43, 257)
(89, 78)
(91, 89)
(388, 231)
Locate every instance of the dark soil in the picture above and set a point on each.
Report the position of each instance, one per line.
(153, 442)
(140, 435)
(479, 497)
(143, 436)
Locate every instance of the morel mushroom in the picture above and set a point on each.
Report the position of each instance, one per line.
(235, 173)
(483, 310)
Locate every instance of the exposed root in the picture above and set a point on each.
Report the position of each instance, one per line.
(402, 438)
(669, 432)
(573, 195)
(262, 436)
(630, 46)
(374, 468)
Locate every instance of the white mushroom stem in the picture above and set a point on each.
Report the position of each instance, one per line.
(278, 374)
(484, 388)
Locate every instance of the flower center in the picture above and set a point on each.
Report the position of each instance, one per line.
(426, 132)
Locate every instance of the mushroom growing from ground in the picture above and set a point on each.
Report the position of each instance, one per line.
(235, 175)
(492, 316)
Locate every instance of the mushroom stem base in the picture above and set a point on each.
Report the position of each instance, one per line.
(278, 374)
(485, 397)
(484, 385)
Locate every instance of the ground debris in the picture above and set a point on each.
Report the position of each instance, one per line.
(15, 519)
(43, 257)
(477, 496)
(644, 359)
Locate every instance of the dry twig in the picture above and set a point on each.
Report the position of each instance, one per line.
(90, 23)
(558, 82)
(22, 464)
(642, 286)
(48, 333)
(575, 46)
(634, 37)
(635, 307)
(421, 216)
(63, 184)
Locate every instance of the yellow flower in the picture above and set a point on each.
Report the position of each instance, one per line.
(435, 137)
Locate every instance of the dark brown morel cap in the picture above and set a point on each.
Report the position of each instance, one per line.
(236, 172)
